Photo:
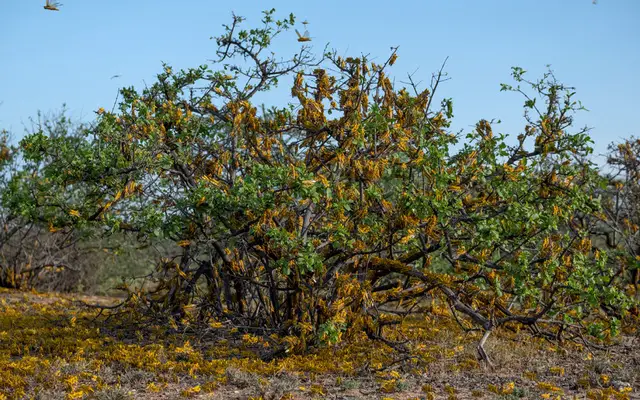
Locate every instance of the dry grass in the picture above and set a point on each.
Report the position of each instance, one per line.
(51, 348)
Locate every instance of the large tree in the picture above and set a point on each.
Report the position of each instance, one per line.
(341, 211)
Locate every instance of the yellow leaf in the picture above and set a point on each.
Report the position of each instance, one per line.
(52, 229)
(216, 324)
(152, 387)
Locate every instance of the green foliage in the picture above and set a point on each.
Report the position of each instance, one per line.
(341, 211)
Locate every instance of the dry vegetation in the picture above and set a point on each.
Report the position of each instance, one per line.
(54, 346)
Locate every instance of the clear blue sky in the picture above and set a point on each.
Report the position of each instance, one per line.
(51, 58)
